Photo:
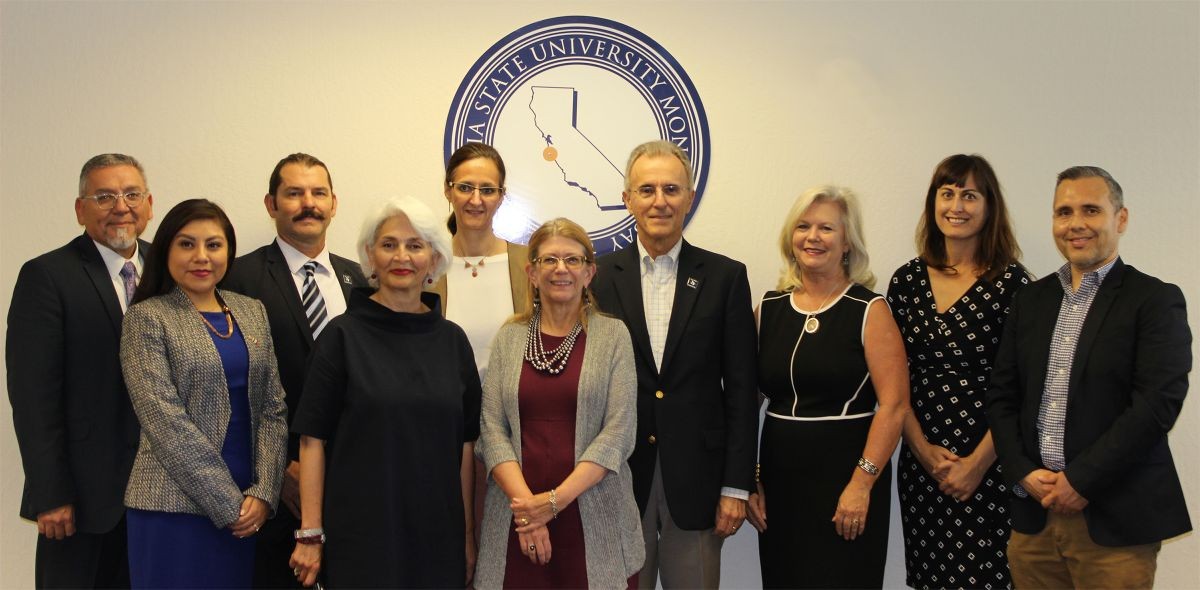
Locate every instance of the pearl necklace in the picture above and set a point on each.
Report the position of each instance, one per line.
(553, 361)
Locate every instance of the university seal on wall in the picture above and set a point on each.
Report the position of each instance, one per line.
(564, 100)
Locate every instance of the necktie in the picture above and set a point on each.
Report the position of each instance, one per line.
(314, 304)
(129, 275)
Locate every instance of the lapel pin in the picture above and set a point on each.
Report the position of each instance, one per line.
(693, 283)
(347, 280)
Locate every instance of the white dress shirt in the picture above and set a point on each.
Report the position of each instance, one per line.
(114, 263)
(327, 281)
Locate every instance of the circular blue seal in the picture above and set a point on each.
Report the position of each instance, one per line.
(565, 100)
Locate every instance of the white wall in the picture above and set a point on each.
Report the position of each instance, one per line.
(871, 95)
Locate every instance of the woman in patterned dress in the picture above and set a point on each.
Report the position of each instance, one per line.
(950, 304)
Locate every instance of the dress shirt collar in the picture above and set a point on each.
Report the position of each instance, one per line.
(671, 258)
(115, 262)
(1097, 276)
(296, 259)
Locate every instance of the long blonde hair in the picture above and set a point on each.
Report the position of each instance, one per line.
(561, 227)
(857, 265)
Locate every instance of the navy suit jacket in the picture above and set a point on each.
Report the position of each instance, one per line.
(704, 423)
(1127, 384)
(75, 426)
(264, 275)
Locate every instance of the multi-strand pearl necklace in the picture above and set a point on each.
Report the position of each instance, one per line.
(553, 361)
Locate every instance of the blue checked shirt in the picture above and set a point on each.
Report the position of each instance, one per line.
(1052, 415)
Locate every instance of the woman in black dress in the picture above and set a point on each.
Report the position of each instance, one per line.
(950, 303)
(388, 421)
(832, 364)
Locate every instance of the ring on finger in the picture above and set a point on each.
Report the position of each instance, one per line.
(532, 548)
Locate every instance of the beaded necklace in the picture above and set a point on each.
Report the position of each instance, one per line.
(548, 361)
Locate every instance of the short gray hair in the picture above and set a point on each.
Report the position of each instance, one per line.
(107, 161)
(656, 148)
(1115, 194)
(428, 226)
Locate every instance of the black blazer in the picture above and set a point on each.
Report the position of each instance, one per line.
(705, 422)
(75, 426)
(264, 275)
(1127, 384)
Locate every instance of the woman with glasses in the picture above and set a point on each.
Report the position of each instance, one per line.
(833, 367)
(200, 368)
(388, 421)
(558, 425)
(950, 303)
(485, 281)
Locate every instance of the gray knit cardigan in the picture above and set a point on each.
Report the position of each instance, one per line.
(177, 385)
(605, 430)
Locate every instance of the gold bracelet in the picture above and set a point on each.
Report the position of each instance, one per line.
(554, 502)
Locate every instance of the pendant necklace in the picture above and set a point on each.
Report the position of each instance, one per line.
(811, 323)
(474, 267)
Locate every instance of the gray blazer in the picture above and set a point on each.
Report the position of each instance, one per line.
(605, 428)
(177, 384)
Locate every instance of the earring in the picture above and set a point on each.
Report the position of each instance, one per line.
(428, 280)
(586, 300)
(537, 297)
(374, 276)
(845, 258)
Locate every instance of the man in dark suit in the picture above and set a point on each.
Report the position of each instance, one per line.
(74, 423)
(688, 311)
(1090, 376)
(303, 286)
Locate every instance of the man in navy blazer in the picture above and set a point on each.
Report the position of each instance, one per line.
(74, 423)
(689, 314)
(301, 200)
(1090, 376)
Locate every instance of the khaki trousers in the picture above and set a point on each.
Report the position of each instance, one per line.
(1063, 555)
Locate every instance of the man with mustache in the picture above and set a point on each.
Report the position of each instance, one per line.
(74, 423)
(303, 286)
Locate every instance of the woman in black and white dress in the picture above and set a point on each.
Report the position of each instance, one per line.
(950, 304)
(833, 367)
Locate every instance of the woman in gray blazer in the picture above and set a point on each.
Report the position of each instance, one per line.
(200, 368)
(558, 424)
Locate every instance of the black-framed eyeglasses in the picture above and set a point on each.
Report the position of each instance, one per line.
(573, 262)
(109, 200)
(668, 190)
(465, 189)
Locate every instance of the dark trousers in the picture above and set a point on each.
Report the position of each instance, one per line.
(83, 560)
(275, 545)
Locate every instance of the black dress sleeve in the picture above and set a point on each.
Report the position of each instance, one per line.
(471, 388)
(325, 385)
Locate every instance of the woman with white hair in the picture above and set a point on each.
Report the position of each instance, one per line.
(388, 422)
(833, 367)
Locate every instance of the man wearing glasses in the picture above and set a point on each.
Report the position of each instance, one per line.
(303, 286)
(74, 423)
(688, 311)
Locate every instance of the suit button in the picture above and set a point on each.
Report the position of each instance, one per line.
(651, 439)
(658, 394)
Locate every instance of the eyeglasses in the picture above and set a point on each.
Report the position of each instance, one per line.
(465, 189)
(668, 190)
(573, 262)
(109, 200)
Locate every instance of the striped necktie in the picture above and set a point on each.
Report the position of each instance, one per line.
(314, 303)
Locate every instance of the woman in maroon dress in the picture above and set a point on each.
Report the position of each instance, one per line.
(558, 424)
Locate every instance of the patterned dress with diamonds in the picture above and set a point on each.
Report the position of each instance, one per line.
(951, 544)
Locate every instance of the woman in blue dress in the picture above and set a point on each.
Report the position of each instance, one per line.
(200, 368)
(950, 304)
